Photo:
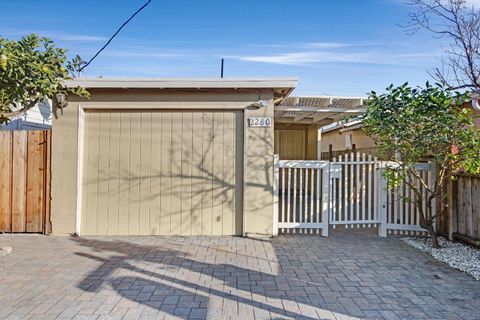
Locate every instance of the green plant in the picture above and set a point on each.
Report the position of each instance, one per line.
(31, 69)
(419, 124)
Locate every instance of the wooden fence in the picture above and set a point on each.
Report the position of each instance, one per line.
(466, 208)
(25, 181)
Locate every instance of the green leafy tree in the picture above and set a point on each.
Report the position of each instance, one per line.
(31, 70)
(410, 125)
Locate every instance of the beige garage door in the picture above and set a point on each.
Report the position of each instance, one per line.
(162, 173)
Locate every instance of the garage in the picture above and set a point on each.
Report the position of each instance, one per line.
(162, 173)
(166, 157)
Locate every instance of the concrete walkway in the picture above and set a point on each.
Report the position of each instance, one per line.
(349, 275)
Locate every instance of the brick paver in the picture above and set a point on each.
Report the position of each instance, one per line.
(349, 275)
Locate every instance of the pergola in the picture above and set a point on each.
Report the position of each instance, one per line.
(320, 110)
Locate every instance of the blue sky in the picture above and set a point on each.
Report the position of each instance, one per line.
(341, 47)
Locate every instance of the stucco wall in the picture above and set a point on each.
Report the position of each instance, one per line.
(258, 176)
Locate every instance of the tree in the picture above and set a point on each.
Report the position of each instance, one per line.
(31, 70)
(417, 125)
(457, 24)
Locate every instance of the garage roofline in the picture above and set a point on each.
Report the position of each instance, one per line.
(187, 83)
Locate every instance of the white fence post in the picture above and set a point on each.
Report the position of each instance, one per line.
(276, 177)
(382, 201)
(326, 201)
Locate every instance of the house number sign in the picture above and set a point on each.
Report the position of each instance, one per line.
(259, 122)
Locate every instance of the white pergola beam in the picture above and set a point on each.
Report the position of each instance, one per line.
(320, 116)
(290, 120)
(302, 115)
(319, 109)
(323, 109)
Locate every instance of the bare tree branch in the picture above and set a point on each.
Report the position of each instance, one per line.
(457, 24)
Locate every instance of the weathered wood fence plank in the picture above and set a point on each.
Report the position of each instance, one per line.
(5, 181)
(19, 181)
(25, 181)
(466, 206)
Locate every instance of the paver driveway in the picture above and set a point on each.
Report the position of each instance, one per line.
(348, 275)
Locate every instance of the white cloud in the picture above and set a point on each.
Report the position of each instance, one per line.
(143, 54)
(316, 45)
(56, 35)
(71, 36)
(474, 2)
(312, 57)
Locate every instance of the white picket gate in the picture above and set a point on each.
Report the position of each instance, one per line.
(353, 185)
(351, 191)
(302, 196)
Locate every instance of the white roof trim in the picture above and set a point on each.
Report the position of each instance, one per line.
(194, 83)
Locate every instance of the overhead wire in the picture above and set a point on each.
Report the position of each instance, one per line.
(114, 35)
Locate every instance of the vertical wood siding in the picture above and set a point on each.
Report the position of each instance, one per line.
(162, 173)
(25, 181)
(290, 144)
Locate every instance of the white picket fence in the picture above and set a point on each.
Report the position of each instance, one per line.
(402, 217)
(351, 191)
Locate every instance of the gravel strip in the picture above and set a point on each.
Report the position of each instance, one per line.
(455, 254)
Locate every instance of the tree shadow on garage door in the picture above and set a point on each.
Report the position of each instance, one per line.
(166, 278)
(192, 190)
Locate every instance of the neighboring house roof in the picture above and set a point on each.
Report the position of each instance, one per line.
(320, 110)
(343, 126)
(38, 117)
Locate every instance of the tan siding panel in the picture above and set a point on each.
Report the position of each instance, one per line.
(166, 175)
(217, 169)
(163, 173)
(92, 178)
(85, 166)
(197, 173)
(145, 173)
(135, 173)
(124, 171)
(176, 159)
(228, 174)
(114, 182)
(207, 167)
(103, 170)
(290, 144)
(156, 173)
(186, 176)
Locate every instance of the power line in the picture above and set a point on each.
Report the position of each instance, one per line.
(114, 35)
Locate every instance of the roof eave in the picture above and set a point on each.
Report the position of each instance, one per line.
(195, 83)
